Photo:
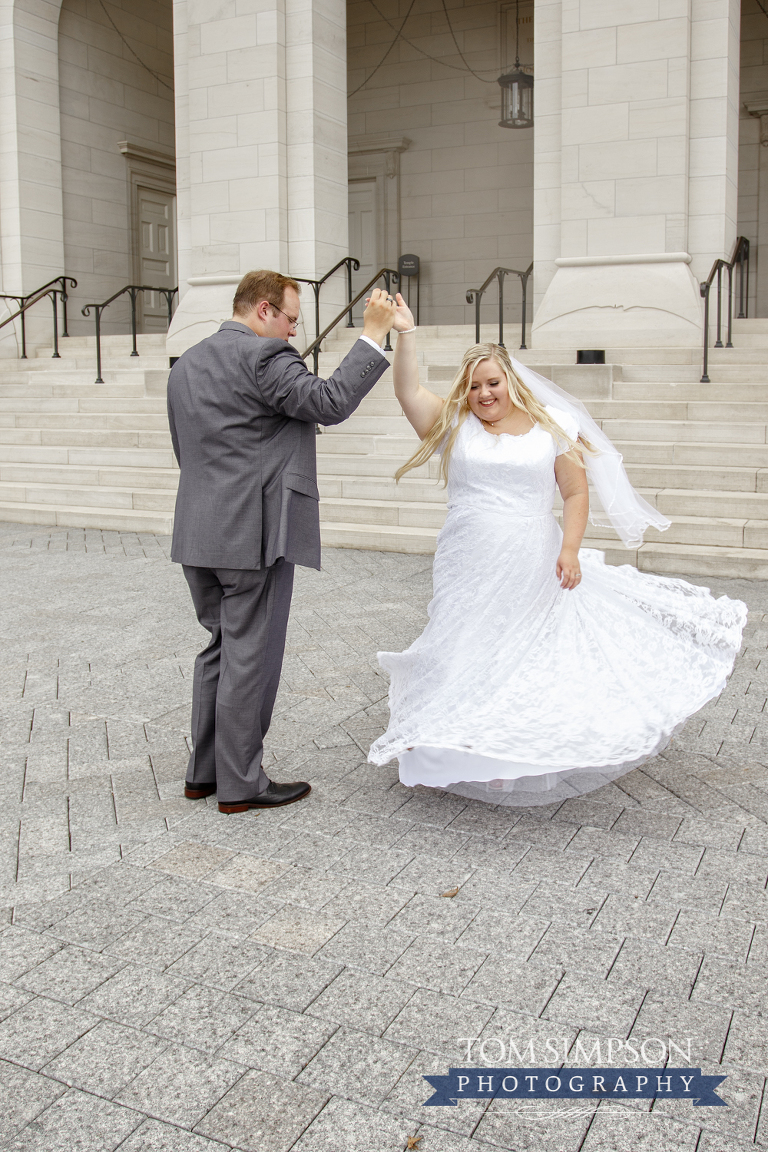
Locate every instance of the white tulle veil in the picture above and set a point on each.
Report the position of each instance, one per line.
(613, 501)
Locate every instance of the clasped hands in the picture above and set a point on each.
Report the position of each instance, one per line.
(384, 312)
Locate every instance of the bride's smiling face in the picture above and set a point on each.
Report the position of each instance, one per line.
(488, 395)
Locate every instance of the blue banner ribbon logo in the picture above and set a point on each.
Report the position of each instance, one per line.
(574, 1084)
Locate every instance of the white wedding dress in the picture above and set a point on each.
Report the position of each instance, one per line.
(518, 692)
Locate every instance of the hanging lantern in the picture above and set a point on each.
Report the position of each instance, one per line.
(516, 98)
(516, 89)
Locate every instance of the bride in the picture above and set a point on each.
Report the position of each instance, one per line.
(543, 673)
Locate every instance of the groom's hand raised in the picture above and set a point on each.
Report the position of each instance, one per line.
(379, 315)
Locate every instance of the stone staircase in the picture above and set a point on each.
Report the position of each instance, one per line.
(75, 453)
(697, 452)
(84, 455)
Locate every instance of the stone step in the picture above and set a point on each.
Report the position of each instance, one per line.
(68, 475)
(382, 488)
(355, 464)
(127, 391)
(701, 560)
(106, 519)
(411, 514)
(363, 444)
(756, 373)
(665, 558)
(381, 538)
(137, 406)
(697, 470)
(82, 421)
(691, 477)
(750, 324)
(51, 454)
(692, 411)
(87, 364)
(85, 438)
(720, 533)
(679, 502)
(714, 455)
(700, 393)
(143, 339)
(703, 502)
(88, 496)
(131, 370)
(361, 422)
(685, 431)
(636, 451)
(712, 411)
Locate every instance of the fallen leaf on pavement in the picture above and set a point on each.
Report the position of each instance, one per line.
(450, 892)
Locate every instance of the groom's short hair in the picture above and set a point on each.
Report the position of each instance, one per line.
(261, 285)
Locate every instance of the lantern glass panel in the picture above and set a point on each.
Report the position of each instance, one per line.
(516, 99)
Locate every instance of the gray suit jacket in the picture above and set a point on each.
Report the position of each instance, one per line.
(242, 411)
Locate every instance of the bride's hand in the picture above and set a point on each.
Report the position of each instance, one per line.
(568, 569)
(403, 315)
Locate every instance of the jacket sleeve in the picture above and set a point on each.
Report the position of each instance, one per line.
(174, 433)
(288, 387)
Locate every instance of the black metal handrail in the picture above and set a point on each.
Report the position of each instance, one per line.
(389, 274)
(32, 298)
(133, 291)
(351, 265)
(476, 295)
(741, 257)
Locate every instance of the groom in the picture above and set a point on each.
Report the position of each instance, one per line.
(242, 408)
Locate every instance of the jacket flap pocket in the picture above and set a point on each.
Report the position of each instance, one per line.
(302, 484)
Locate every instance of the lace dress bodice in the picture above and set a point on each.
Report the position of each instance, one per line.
(513, 475)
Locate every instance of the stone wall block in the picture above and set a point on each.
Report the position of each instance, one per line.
(599, 13)
(591, 199)
(657, 194)
(624, 81)
(595, 124)
(625, 235)
(230, 35)
(631, 158)
(598, 45)
(671, 155)
(655, 40)
(657, 118)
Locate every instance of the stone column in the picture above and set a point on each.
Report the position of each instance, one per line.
(31, 215)
(261, 149)
(635, 166)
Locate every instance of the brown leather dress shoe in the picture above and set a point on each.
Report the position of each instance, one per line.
(273, 796)
(198, 791)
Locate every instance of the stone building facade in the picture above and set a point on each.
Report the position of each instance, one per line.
(186, 141)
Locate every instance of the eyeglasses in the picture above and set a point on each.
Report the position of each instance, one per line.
(293, 319)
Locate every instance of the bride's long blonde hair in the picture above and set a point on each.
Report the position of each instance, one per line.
(456, 409)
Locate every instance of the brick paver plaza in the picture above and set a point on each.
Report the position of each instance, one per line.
(176, 979)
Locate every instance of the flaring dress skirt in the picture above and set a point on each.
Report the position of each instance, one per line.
(521, 693)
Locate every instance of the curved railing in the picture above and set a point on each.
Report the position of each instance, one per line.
(741, 257)
(352, 265)
(26, 302)
(133, 291)
(475, 295)
(389, 275)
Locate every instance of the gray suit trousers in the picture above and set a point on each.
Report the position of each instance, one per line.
(237, 675)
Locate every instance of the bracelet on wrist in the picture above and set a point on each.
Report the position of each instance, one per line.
(405, 331)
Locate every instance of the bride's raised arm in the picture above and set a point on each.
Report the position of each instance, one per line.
(421, 406)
